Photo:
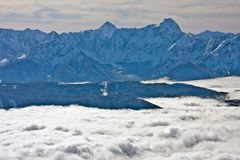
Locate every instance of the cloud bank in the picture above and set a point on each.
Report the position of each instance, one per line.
(186, 129)
(75, 15)
(58, 133)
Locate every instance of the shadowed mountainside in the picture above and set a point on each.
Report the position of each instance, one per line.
(106, 95)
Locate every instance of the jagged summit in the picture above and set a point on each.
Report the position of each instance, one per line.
(107, 29)
(28, 30)
(169, 24)
(53, 35)
(109, 25)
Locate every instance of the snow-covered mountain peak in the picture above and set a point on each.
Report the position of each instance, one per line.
(27, 30)
(53, 35)
(169, 24)
(108, 25)
(107, 29)
(123, 54)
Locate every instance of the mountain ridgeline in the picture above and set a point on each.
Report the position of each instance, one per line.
(117, 54)
(104, 95)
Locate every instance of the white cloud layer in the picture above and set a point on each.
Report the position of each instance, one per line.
(186, 129)
(76, 15)
(229, 84)
(77, 133)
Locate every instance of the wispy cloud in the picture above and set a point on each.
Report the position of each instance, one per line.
(75, 15)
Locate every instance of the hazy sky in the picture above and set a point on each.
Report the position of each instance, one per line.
(76, 15)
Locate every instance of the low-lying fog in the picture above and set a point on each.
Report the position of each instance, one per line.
(187, 128)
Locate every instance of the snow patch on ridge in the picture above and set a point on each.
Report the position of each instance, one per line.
(4, 62)
(23, 56)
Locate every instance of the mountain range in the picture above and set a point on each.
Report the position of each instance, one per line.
(117, 54)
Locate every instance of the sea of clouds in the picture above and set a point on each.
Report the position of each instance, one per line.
(187, 128)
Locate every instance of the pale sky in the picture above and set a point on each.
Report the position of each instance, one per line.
(75, 15)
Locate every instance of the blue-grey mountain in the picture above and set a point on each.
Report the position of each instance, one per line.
(117, 54)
